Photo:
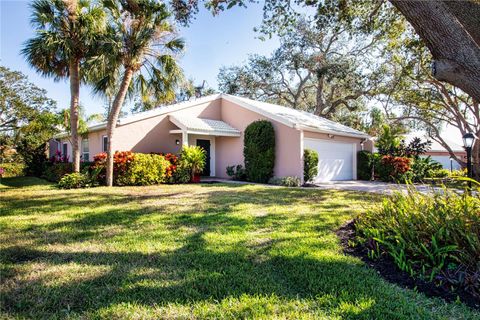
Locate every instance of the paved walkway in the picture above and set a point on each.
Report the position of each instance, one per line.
(369, 186)
(352, 185)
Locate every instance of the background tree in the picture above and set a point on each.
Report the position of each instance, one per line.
(322, 71)
(448, 28)
(27, 120)
(412, 95)
(139, 56)
(66, 34)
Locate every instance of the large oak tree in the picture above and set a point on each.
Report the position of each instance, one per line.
(450, 29)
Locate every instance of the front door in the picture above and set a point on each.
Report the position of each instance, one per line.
(205, 145)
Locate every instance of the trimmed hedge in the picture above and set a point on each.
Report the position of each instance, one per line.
(146, 169)
(310, 164)
(134, 168)
(259, 151)
(364, 165)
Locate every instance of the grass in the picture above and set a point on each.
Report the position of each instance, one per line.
(190, 251)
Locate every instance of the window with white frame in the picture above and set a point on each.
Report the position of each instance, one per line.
(85, 150)
(104, 143)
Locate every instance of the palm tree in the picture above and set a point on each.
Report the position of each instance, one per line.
(139, 58)
(66, 35)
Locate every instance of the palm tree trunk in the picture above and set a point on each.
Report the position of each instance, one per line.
(74, 98)
(112, 121)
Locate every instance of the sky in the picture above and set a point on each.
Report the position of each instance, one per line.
(211, 42)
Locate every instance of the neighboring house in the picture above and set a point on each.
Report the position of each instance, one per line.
(438, 153)
(217, 124)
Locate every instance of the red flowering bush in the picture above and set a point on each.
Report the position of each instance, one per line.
(394, 168)
(172, 169)
(121, 163)
(59, 158)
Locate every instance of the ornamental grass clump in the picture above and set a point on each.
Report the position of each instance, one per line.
(434, 236)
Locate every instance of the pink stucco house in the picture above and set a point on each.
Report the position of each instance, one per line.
(217, 123)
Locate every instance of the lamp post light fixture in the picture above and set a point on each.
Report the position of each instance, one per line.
(451, 164)
(468, 140)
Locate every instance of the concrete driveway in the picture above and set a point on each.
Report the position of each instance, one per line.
(369, 186)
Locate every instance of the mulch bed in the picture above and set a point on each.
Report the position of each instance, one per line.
(386, 267)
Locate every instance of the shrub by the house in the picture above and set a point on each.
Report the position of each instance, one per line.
(425, 168)
(193, 158)
(145, 169)
(237, 172)
(285, 181)
(172, 168)
(310, 164)
(74, 181)
(392, 168)
(259, 151)
(121, 163)
(55, 171)
(12, 169)
(133, 168)
(364, 165)
(435, 236)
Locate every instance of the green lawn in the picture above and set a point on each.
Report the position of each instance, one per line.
(190, 251)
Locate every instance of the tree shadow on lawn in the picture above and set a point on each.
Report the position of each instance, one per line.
(196, 271)
(193, 274)
(216, 208)
(23, 182)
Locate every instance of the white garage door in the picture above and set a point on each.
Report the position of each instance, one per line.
(335, 159)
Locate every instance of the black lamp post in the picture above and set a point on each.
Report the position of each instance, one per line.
(468, 139)
(451, 164)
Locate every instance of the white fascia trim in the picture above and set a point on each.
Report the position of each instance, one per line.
(93, 128)
(250, 107)
(337, 133)
(208, 133)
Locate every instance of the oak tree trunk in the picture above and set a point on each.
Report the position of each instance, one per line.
(74, 70)
(446, 28)
(112, 121)
(320, 103)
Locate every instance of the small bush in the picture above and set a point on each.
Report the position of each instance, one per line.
(440, 173)
(364, 165)
(394, 169)
(12, 169)
(259, 151)
(182, 174)
(310, 164)
(424, 168)
(458, 173)
(237, 172)
(74, 181)
(121, 163)
(145, 169)
(285, 181)
(55, 171)
(193, 158)
(435, 236)
(172, 168)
